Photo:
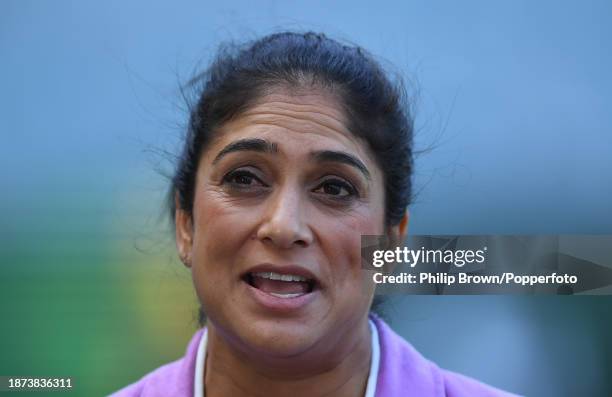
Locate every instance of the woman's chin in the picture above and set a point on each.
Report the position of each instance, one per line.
(278, 340)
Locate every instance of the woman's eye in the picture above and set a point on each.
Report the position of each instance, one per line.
(241, 178)
(336, 189)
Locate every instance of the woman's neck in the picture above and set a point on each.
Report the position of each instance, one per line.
(229, 372)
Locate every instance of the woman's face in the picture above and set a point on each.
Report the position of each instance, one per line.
(284, 190)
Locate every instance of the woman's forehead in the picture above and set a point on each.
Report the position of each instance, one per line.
(295, 122)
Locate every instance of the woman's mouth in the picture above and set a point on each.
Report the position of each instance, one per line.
(284, 286)
(281, 289)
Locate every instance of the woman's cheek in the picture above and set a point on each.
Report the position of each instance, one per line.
(221, 216)
(348, 239)
(344, 240)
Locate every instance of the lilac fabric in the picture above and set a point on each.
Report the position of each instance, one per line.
(403, 372)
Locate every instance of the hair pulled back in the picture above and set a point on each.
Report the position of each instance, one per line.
(241, 74)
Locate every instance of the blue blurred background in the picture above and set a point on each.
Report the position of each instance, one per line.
(513, 98)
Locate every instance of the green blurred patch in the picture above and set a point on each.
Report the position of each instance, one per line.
(90, 305)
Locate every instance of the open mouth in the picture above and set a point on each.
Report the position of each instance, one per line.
(286, 286)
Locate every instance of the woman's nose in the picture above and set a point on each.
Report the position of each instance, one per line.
(284, 222)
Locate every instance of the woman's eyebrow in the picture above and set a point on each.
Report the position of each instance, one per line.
(251, 145)
(341, 157)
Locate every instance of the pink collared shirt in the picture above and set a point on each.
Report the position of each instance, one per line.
(402, 372)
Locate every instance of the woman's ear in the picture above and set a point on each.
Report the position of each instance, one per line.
(397, 233)
(184, 232)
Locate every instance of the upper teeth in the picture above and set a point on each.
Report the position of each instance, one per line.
(278, 276)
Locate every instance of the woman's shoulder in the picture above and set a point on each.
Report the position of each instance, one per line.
(457, 385)
(173, 379)
(405, 372)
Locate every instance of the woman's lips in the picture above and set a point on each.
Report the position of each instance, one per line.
(280, 303)
(281, 288)
(287, 269)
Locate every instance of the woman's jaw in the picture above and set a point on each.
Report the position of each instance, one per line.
(284, 362)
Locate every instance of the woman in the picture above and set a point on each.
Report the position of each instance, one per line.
(297, 146)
